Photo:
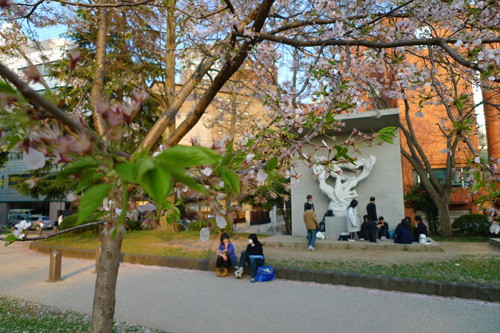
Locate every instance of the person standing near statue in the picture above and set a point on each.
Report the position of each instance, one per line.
(371, 210)
(353, 224)
(309, 202)
(311, 221)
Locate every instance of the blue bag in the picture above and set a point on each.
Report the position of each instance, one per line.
(265, 273)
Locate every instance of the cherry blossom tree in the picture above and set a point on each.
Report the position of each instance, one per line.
(326, 46)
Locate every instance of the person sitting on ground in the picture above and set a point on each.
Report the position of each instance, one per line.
(253, 256)
(403, 233)
(421, 228)
(225, 256)
(311, 221)
(383, 228)
(366, 229)
(352, 219)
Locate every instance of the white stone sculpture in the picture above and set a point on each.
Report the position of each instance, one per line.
(342, 192)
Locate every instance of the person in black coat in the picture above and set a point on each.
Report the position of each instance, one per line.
(403, 233)
(421, 228)
(383, 228)
(253, 256)
(371, 210)
(309, 203)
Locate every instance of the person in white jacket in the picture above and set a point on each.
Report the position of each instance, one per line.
(353, 224)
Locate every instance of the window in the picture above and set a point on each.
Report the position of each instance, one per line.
(458, 177)
(238, 123)
(246, 102)
(219, 132)
(220, 110)
(246, 113)
(13, 156)
(228, 121)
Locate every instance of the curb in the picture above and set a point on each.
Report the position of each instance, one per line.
(483, 292)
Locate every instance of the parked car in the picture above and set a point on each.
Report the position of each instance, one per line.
(40, 222)
(16, 218)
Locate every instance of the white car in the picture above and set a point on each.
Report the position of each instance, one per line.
(40, 222)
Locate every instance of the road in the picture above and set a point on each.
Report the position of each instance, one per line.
(179, 300)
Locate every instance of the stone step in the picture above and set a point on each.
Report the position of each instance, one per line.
(327, 244)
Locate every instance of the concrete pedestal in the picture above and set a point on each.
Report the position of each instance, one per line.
(335, 225)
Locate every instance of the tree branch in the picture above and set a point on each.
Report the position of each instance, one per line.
(40, 102)
(64, 231)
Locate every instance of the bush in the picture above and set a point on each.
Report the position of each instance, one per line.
(197, 225)
(70, 222)
(133, 225)
(472, 224)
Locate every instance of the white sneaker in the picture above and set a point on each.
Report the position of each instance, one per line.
(351, 240)
(309, 248)
(313, 248)
(361, 239)
(383, 238)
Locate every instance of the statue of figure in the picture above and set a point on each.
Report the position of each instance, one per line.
(342, 192)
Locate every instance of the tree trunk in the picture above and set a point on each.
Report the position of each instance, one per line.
(443, 207)
(99, 71)
(286, 217)
(105, 286)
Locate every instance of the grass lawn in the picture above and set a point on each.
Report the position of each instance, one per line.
(465, 268)
(152, 242)
(22, 316)
(462, 238)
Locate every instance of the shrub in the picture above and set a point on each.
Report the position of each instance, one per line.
(133, 225)
(197, 225)
(70, 222)
(473, 224)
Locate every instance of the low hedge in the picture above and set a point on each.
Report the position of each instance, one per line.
(70, 222)
(472, 224)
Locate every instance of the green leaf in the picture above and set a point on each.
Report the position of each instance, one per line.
(7, 88)
(127, 171)
(75, 168)
(228, 154)
(181, 176)
(272, 163)
(86, 179)
(145, 165)
(387, 139)
(329, 117)
(170, 220)
(10, 238)
(91, 200)
(188, 156)
(157, 182)
(232, 180)
(250, 143)
(387, 130)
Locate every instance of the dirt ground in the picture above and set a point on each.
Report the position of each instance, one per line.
(450, 250)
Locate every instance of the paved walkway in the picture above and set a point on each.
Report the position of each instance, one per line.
(177, 300)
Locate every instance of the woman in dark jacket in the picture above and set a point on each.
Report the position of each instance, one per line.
(403, 233)
(253, 256)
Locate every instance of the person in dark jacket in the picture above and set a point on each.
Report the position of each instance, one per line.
(371, 210)
(383, 228)
(421, 228)
(309, 203)
(403, 233)
(368, 230)
(253, 256)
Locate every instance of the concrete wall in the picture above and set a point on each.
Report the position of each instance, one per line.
(384, 183)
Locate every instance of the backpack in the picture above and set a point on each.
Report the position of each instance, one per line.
(265, 273)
